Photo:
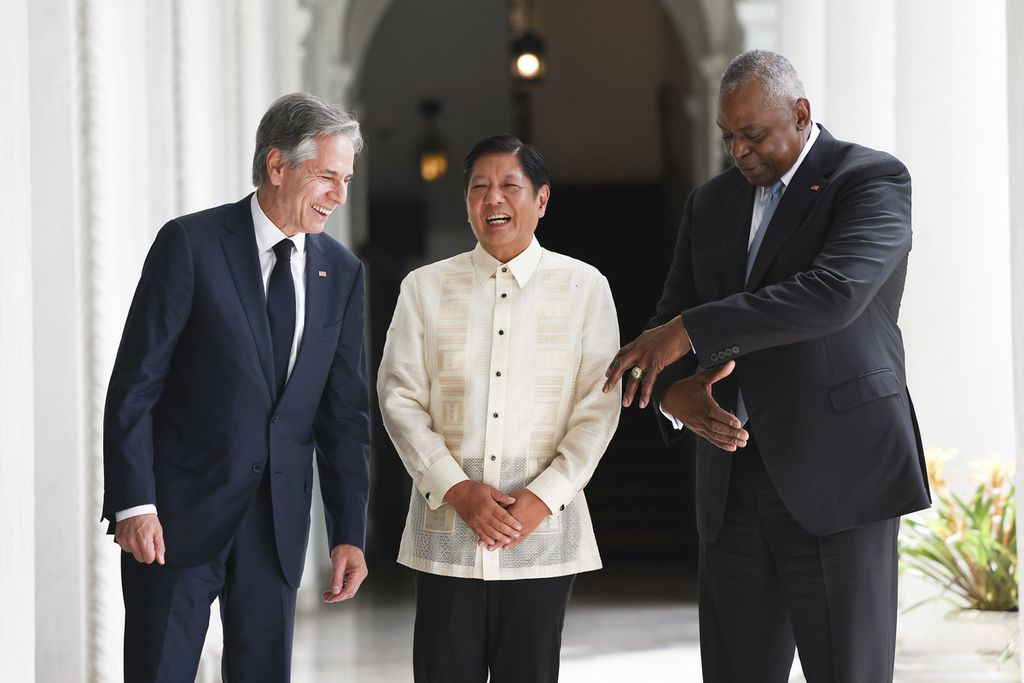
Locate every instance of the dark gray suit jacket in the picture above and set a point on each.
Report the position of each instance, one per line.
(819, 354)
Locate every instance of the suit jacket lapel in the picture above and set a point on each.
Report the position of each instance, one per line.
(735, 235)
(243, 259)
(804, 187)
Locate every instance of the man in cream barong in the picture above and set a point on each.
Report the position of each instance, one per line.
(490, 388)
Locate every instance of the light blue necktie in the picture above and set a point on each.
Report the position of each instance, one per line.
(770, 202)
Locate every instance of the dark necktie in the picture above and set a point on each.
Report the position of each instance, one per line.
(281, 311)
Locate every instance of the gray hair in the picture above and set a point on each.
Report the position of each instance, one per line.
(774, 72)
(292, 125)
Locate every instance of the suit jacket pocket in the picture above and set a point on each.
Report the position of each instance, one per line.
(869, 387)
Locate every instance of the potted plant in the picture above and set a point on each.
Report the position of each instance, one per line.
(968, 547)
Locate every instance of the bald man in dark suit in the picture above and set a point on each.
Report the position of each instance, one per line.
(776, 345)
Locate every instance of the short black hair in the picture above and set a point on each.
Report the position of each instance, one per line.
(529, 158)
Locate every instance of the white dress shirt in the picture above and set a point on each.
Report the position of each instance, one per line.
(267, 236)
(760, 199)
(493, 372)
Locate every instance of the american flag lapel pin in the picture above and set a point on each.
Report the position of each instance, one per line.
(321, 273)
(815, 188)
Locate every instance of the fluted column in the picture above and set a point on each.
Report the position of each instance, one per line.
(17, 626)
(62, 472)
(99, 116)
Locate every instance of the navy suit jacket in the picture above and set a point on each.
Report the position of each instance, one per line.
(192, 419)
(819, 354)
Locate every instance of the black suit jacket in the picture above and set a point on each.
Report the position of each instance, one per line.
(819, 354)
(192, 421)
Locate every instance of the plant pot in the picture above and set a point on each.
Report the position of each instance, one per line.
(996, 636)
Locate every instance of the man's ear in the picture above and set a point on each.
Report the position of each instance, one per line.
(543, 195)
(275, 166)
(803, 113)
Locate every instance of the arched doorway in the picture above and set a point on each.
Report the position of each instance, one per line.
(623, 119)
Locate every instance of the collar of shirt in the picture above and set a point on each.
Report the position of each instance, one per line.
(268, 234)
(523, 266)
(762, 195)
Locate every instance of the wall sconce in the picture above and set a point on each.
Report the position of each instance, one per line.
(433, 155)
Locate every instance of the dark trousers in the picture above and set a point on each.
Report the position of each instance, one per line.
(767, 585)
(167, 609)
(467, 627)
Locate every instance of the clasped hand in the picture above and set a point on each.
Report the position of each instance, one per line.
(498, 519)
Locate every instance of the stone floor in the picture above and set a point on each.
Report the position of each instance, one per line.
(643, 634)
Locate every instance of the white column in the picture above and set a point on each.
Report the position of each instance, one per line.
(1015, 140)
(62, 509)
(951, 127)
(711, 67)
(204, 62)
(17, 560)
(759, 20)
(100, 170)
(860, 72)
(802, 39)
(337, 35)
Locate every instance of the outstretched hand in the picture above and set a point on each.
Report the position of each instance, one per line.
(652, 352)
(690, 401)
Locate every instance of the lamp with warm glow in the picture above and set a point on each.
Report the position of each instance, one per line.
(528, 63)
(433, 164)
(433, 154)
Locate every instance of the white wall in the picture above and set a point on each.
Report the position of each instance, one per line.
(17, 560)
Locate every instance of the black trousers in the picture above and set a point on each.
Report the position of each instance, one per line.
(466, 628)
(167, 609)
(767, 585)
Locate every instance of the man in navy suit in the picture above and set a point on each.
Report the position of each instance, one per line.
(242, 354)
(776, 344)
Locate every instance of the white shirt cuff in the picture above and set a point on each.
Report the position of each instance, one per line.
(676, 423)
(439, 477)
(554, 489)
(147, 509)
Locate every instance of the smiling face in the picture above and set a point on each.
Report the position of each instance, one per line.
(762, 138)
(301, 199)
(503, 206)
